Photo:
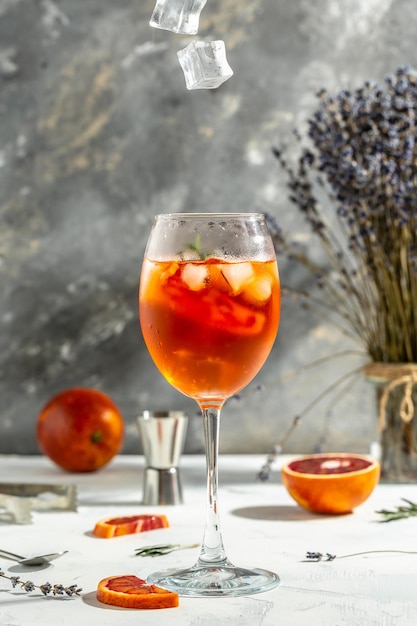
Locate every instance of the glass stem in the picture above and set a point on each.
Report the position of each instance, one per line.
(212, 550)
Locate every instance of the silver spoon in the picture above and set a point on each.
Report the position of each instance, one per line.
(32, 560)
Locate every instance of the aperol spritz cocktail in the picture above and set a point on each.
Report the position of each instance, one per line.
(209, 324)
(209, 304)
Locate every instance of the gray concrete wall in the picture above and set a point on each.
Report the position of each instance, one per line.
(98, 134)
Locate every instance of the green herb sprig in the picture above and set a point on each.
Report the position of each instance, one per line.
(162, 548)
(400, 512)
(194, 248)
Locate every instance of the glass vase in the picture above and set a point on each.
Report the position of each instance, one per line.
(397, 415)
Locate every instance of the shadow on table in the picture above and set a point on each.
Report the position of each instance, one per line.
(274, 513)
(19, 569)
(91, 599)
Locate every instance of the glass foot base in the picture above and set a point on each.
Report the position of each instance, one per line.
(214, 581)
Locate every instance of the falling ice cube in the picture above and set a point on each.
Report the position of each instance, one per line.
(204, 64)
(179, 16)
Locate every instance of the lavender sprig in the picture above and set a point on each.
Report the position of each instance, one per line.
(319, 556)
(265, 471)
(315, 557)
(46, 588)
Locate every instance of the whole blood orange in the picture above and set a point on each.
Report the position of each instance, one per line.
(128, 524)
(80, 429)
(333, 483)
(132, 592)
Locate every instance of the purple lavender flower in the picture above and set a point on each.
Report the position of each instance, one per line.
(361, 148)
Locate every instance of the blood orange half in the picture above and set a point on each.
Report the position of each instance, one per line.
(333, 483)
(128, 525)
(132, 592)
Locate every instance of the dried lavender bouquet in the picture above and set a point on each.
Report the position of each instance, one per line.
(361, 156)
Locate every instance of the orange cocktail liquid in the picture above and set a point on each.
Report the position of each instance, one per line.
(209, 325)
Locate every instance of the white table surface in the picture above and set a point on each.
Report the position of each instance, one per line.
(262, 527)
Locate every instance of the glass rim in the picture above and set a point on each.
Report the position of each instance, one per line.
(239, 214)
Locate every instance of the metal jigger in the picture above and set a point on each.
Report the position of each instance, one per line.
(163, 436)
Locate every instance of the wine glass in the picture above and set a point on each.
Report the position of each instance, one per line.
(209, 305)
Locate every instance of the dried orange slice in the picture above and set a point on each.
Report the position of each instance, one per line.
(132, 592)
(128, 525)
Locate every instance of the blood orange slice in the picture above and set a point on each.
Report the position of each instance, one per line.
(128, 525)
(132, 592)
(333, 483)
